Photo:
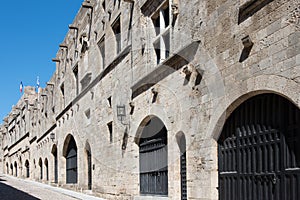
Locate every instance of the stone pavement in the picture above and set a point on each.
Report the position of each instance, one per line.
(12, 188)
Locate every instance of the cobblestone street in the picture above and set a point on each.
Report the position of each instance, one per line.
(12, 188)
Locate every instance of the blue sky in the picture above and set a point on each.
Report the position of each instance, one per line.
(30, 33)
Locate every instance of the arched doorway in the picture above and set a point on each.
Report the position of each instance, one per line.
(7, 168)
(70, 153)
(41, 168)
(47, 169)
(259, 151)
(16, 168)
(11, 169)
(180, 137)
(89, 165)
(153, 155)
(27, 168)
(54, 153)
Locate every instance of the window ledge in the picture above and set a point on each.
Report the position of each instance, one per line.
(251, 7)
(164, 69)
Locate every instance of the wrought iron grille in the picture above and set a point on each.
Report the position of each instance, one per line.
(183, 176)
(71, 161)
(259, 153)
(154, 160)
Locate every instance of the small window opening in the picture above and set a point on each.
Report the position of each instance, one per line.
(103, 5)
(117, 31)
(75, 72)
(101, 46)
(88, 113)
(109, 101)
(110, 129)
(62, 88)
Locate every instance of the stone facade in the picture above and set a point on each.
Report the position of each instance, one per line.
(188, 63)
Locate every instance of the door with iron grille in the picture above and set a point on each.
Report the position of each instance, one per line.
(71, 162)
(259, 153)
(183, 181)
(153, 154)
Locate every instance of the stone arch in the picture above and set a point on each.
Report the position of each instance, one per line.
(260, 139)
(152, 139)
(70, 153)
(234, 103)
(54, 148)
(250, 87)
(27, 168)
(144, 123)
(69, 138)
(181, 141)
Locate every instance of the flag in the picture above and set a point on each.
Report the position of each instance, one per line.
(38, 83)
(21, 87)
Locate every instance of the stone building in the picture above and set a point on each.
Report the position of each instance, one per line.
(167, 99)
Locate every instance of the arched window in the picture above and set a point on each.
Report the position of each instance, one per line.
(27, 168)
(71, 160)
(153, 158)
(41, 168)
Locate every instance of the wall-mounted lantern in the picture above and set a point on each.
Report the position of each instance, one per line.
(121, 112)
(52, 136)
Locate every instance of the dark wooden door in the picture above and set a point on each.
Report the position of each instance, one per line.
(71, 162)
(55, 168)
(259, 153)
(89, 156)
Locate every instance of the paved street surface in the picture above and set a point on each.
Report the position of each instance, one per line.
(12, 188)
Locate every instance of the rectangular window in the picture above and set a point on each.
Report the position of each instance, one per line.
(117, 32)
(161, 23)
(101, 46)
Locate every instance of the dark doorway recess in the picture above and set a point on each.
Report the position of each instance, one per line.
(54, 153)
(71, 161)
(154, 158)
(259, 151)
